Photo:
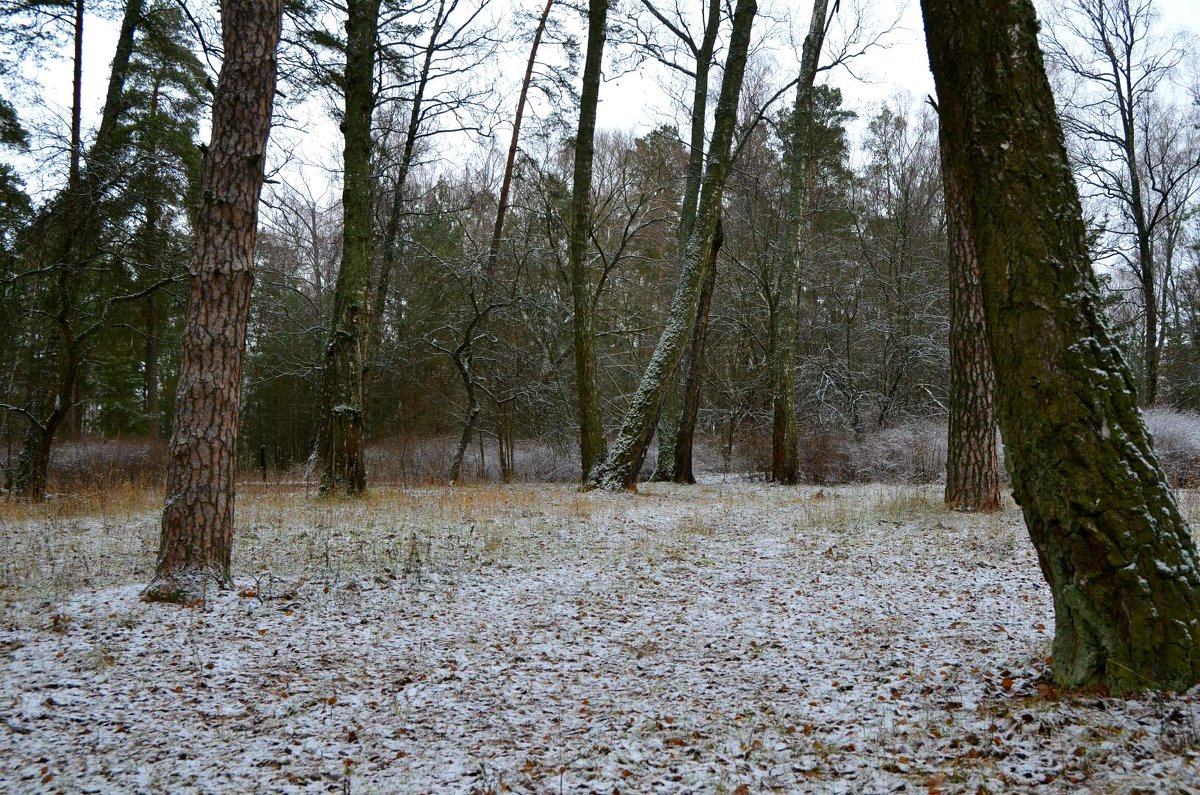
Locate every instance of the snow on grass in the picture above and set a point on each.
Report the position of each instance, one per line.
(729, 638)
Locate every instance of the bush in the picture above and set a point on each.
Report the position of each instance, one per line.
(95, 463)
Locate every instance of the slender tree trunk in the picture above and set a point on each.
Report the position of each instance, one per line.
(693, 370)
(972, 469)
(197, 523)
(785, 462)
(340, 441)
(463, 355)
(1112, 544)
(462, 363)
(620, 469)
(672, 415)
(591, 424)
(77, 103)
(390, 244)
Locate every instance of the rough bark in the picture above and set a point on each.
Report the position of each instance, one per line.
(972, 466)
(620, 469)
(340, 440)
(1112, 544)
(591, 424)
(197, 523)
(785, 462)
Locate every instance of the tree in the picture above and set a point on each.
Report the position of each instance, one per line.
(480, 294)
(676, 422)
(972, 469)
(784, 462)
(1108, 48)
(620, 469)
(591, 425)
(1112, 544)
(197, 523)
(340, 440)
(63, 239)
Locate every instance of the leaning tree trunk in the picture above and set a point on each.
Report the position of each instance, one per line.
(197, 522)
(1118, 556)
(340, 440)
(693, 375)
(785, 459)
(620, 469)
(972, 469)
(591, 425)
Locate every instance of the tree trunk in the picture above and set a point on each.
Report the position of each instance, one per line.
(197, 523)
(671, 415)
(76, 102)
(463, 355)
(620, 469)
(785, 461)
(1110, 539)
(340, 445)
(591, 424)
(693, 370)
(972, 469)
(462, 363)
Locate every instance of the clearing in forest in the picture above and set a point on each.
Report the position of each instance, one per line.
(730, 637)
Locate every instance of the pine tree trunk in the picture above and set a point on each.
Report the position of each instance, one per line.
(197, 524)
(591, 423)
(972, 468)
(340, 450)
(620, 469)
(1112, 544)
(785, 460)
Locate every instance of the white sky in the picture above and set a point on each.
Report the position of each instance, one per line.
(629, 101)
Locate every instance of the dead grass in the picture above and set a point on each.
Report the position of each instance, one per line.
(110, 537)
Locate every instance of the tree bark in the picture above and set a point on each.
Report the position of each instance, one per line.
(197, 523)
(591, 424)
(693, 380)
(785, 461)
(972, 468)
(340, 440)
(620, 469)
(1112, 544)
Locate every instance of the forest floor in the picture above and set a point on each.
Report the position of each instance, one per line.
(726, 638)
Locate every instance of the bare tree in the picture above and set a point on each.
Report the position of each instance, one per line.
(1109, 49)
(620, 469)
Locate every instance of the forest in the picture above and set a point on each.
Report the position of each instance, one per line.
(779, 440)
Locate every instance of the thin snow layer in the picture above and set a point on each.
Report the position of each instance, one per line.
(728, 638)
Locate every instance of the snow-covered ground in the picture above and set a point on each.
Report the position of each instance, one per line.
(728, 638)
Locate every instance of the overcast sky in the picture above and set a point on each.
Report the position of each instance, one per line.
(634, 100)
